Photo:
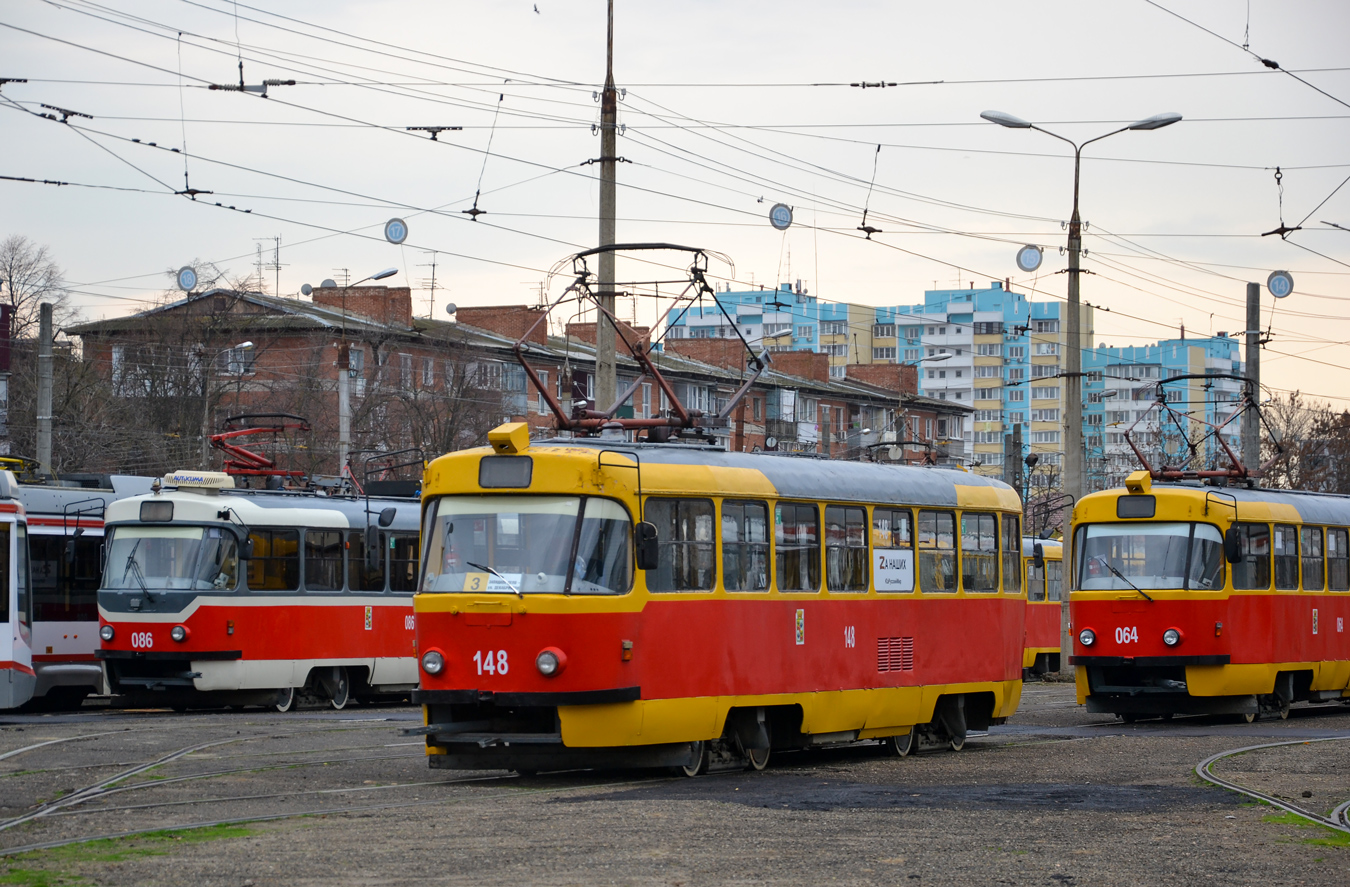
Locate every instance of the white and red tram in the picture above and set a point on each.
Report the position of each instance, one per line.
(213, 595)
(16, 602)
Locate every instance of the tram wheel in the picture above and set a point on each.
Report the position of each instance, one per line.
(1248, 717)
(958, 742)
(342, 690)
(285, 699)
(900, 746)
(699, 750)
(756, 758)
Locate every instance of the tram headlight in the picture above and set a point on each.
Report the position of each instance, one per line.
(1087, 637)
(550, 661)
(1171, 637)
(179, 633)
(433, 662)
(106, 632)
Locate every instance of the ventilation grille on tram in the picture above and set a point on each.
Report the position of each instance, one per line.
(895, 654)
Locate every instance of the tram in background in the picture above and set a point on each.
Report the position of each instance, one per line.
(1045, 582)
(213, 595)
(1190, 599)
(591, 603)
(16, 604)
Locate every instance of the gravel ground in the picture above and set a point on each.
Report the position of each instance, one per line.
(1057, 797)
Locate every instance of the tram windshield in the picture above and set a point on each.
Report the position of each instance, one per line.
(150, 558)
(1162, 555)
(527, 545)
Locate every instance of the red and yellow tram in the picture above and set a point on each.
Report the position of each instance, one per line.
(1188, 599)
(1044, 560)
(588, 603)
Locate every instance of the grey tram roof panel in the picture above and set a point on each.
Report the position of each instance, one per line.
(813, 479)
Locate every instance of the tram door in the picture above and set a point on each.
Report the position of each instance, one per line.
(16, 615)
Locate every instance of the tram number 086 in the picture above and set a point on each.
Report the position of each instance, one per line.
(1127, 634)
(489, 662)
(142, 640)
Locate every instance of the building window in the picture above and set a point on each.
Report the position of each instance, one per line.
(1017, 352)
(1045, 392)
(1045, 326)
(236, 361)
(806, 332)
(1042, 371)
(988, 415)
(887, 353)
(428, 372)
(993, 328)
(1016, 418)
(542, 404)
(989, 372)
(1047, 348)
(913, 353)
(839, 372)
(958, 374)
(755, 405)
(1016, 374)
(883, 330)
(989, 350)
(1016, 395)
(942, 331)
(1045, 437)
(987, 393)
(1045, 415)
(834, 328)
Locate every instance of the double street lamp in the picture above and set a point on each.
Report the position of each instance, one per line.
(1073, 371)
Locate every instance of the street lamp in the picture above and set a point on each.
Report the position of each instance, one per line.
(1073, 388)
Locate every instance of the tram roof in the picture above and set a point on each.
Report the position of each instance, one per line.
(802, 477)
(279, 508)
(64, 500)
(1313, 507)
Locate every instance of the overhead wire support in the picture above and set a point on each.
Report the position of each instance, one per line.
(65, 113)
(434, 130)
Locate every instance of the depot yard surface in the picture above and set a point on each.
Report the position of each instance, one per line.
(1057, 797)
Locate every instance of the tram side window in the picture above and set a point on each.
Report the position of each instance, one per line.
(1012, 554)
(1310, 539)
(1338, 560)
(893, 542)
(797, 544)
(323, 560)
(361, 577)
(1286, 557)
(276, 560)
(684, 535)
(979, 551)
(402, 562)
(25, 614)
(937, 551)
(1253, 571)
(845, 548)
(4, 572)
(1054, 580)
(745, 546)
(65, 592)
(1036, 580)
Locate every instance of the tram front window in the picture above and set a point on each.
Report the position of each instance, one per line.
(183, 558)
(530, 545)
(1150, 556)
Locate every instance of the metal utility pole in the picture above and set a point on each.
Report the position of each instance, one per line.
(44, 387)
(605, 383)
(1251, 426)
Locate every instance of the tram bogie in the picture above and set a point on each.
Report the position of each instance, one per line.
(1194, 600)
(789, 603)
(218, 596)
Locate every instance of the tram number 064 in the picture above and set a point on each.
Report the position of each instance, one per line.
(490, 662)
(1127, 634)
(142, 640)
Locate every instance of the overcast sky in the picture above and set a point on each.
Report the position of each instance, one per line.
(730, 107)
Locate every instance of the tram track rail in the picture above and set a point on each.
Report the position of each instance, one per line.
(1338, 819)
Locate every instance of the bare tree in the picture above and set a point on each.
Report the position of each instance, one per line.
(1294, 426)
(31, 277)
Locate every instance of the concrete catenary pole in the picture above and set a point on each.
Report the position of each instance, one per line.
(1251, 426)
(605, 382)
(44, 387)
(344, 363)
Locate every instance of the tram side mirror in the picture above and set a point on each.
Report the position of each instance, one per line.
(70, 544)
(1038, 556)
(387, 516)
(1232, 546)
(644, 539)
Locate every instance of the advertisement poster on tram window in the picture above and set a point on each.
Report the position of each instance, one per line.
(893, 569)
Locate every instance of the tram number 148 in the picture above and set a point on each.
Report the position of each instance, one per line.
(489, 662)
(1127, 634)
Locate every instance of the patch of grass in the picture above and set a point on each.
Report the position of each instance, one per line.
(52, 864)
(39, 878)
(1327, 837)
